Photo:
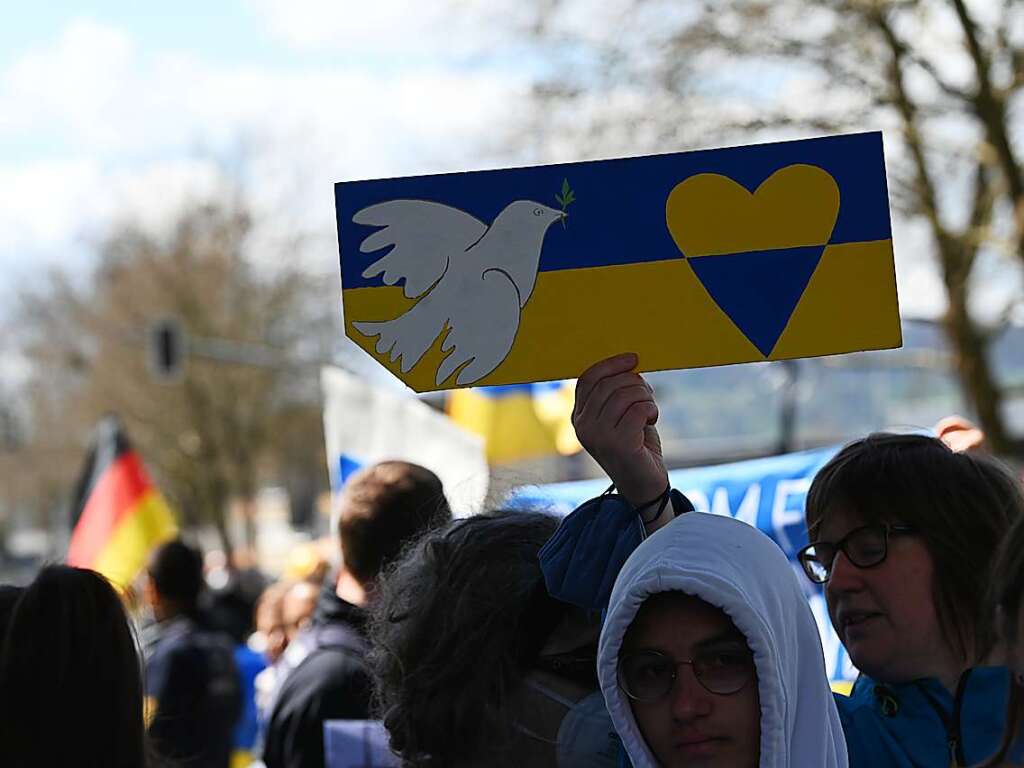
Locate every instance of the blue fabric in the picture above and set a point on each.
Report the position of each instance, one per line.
(580, 562)
(249, 665)
(916, 735)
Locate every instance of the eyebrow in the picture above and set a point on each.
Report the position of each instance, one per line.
(727, 637)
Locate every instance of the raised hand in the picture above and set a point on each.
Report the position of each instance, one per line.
(615, 416)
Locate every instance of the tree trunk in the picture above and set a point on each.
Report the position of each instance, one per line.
(970, 347)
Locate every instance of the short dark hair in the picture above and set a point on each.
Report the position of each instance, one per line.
(384, 507)
(453, 631)
(69, 663)
(177, 572)
(962, 505)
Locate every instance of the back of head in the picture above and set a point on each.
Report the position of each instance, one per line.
(734, 567)
(383, 507)
(70, 676)
(8, 598)
(962, 504)
(1006, 613)
(458, 621)
(176, 571)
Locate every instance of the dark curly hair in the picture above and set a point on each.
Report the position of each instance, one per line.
(963, 505)
(457, 622)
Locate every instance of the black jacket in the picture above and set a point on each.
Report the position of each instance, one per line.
(332, 683)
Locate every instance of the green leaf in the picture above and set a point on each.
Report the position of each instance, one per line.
(569, 199)
(565, 187)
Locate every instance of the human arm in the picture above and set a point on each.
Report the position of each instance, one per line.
(615, 417)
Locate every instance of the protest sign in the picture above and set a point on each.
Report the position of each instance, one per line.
(691, 259)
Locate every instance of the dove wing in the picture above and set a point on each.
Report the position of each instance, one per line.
(425, 235)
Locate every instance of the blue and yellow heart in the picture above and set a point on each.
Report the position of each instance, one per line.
(754, 253)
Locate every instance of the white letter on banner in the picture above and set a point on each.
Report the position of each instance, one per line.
(699, 500)
(783, 514)
(720, 502)
(747, 510)
(829, 640)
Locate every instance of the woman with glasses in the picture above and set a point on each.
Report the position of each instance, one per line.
(902, 531)
(710, 656)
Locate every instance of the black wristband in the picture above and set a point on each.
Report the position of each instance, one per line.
(662, 497)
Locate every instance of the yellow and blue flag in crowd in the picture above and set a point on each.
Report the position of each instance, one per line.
(518, 421)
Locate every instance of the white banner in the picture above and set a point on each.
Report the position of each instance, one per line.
(364, 424)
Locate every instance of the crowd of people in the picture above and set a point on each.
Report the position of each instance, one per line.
(636, 631)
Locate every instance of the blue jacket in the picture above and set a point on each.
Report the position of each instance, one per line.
(915, 724)
(910, 725)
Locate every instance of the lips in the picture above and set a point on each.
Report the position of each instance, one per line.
(699, 745)
(849, 619)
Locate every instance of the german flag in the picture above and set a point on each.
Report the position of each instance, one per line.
(118, 514)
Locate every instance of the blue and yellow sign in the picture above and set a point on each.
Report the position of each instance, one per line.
(691, 259)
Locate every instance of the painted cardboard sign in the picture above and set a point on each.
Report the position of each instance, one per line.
(692, 259)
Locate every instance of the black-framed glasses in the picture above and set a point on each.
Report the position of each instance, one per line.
(864, 547)
(649, 675)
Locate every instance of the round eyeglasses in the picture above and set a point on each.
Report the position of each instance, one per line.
(649, 675)
(864, 547)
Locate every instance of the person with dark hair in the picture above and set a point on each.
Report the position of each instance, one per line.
(475, 664)
(192, 683)
(1006, 613)
(383, 508)
(70, 677)
(902, 532)
(9, 595)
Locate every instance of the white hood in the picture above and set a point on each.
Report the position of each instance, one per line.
(737, 568)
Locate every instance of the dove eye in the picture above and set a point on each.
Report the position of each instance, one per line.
(538, 211)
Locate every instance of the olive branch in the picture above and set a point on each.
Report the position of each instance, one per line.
(565, 199)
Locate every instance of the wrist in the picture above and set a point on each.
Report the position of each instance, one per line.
(644, 493)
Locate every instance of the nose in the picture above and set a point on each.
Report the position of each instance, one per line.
(689, 698)
(845, 576)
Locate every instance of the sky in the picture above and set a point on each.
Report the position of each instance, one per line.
(114, 111)
(121, 110)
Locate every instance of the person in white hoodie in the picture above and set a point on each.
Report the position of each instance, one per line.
(709, 655)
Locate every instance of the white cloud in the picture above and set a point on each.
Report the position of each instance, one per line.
(387, 30)
(121, 126)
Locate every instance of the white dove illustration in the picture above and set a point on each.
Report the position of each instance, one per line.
(476, 278)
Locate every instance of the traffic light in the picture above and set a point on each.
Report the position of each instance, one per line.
(167, 349)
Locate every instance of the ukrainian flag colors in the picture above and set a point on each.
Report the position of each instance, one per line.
(119, 516)
(518, 421)
(691, 259)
